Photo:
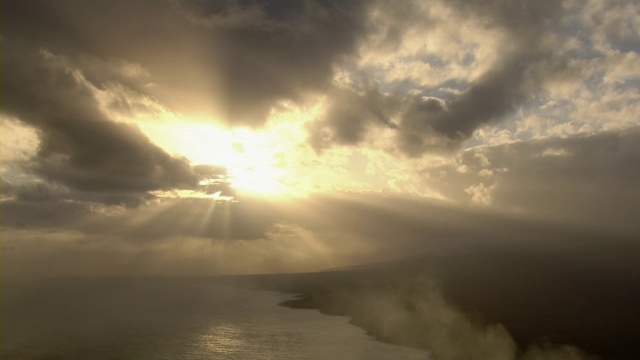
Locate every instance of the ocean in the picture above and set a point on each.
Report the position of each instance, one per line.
(179, 318)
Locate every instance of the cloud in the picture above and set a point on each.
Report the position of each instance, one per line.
(80, 146)
(585, 180)
(428, 121)
(351, 108)
(443, 82)
(234, 62)
(261, 235)
(575, 190)
(508, 81)
(229, 60)
(275, 52)
(18, 143)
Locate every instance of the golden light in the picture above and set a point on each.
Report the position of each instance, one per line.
(273, 160)
(258, 161)
(249, 156)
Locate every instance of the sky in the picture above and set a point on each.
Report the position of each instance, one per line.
(205, 137)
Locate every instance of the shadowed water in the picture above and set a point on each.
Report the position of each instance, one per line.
(151, 318)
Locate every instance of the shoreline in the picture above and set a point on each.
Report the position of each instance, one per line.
(558, 309)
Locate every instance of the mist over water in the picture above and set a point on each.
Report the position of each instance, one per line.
(411, 309)
(154, 318)
(415, 313)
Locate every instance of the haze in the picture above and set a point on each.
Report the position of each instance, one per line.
(251, 137)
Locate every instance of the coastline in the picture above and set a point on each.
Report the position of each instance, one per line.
(474, 306)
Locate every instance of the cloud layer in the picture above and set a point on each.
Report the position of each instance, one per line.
(509, 112)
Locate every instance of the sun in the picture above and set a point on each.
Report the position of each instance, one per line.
(250, 156)
(252, 169)
(270, 160)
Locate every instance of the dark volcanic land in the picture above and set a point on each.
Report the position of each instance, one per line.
(544, 297)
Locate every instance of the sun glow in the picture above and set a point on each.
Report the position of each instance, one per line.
(273, 159)
(258, 161)
(250, 157)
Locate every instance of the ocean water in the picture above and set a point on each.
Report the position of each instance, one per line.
(151, 318)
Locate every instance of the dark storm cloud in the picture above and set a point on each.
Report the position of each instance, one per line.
(80, 146)
(275, 51)
(242, 57)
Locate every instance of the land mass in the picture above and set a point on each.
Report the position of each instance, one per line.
(554, 301)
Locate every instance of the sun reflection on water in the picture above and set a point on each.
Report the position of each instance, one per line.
(223, 339)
